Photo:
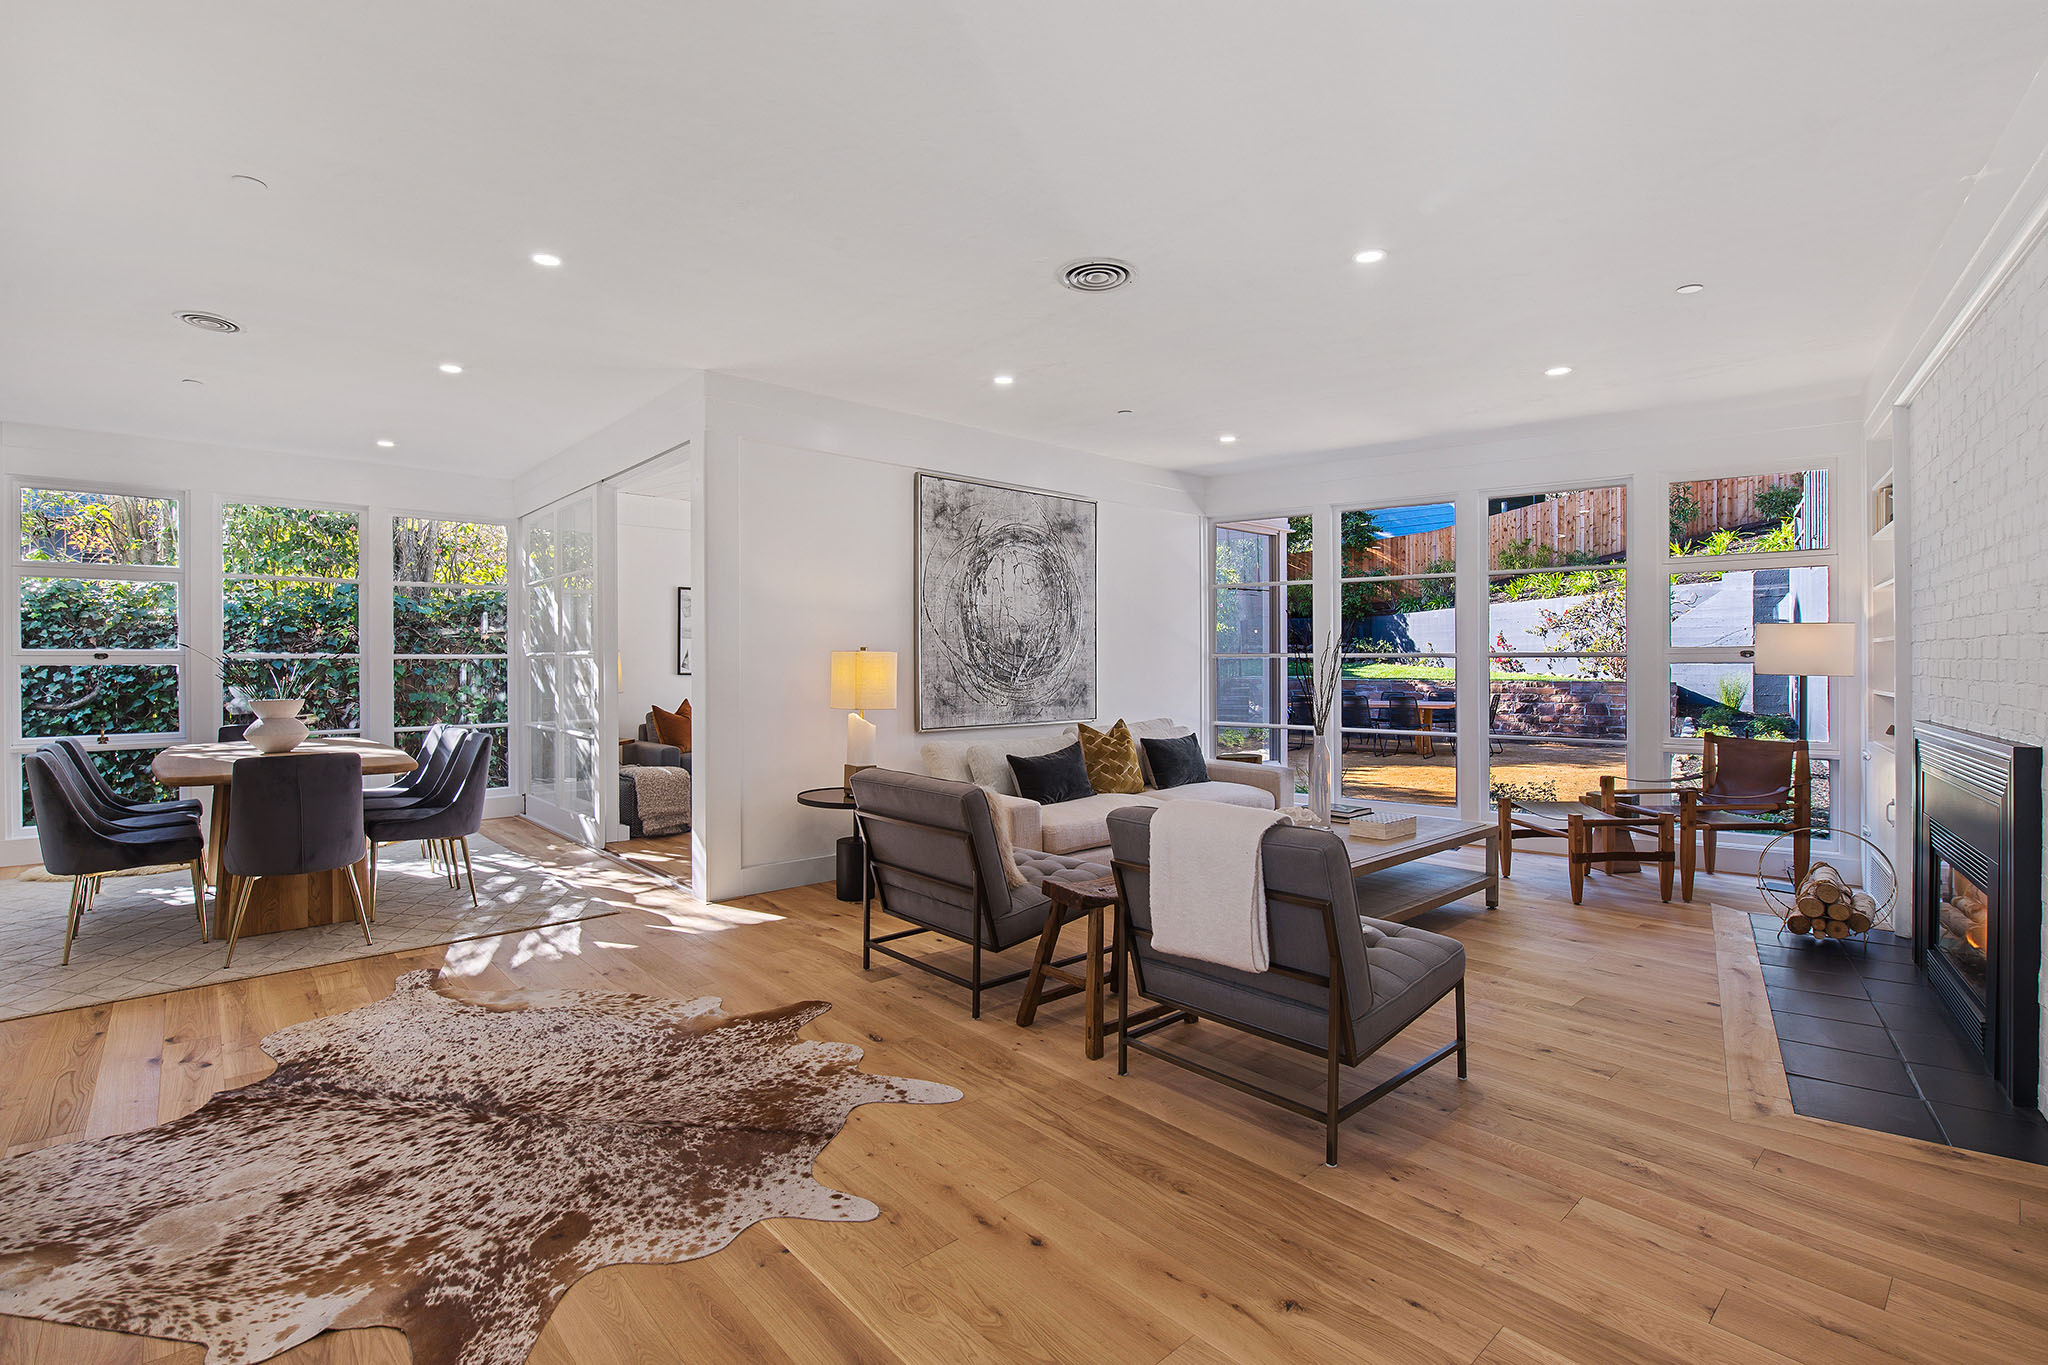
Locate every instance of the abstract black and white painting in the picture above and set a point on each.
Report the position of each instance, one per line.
(1006, 618)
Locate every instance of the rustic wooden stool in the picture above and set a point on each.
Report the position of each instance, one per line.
(1586, 824)
(1070, 900)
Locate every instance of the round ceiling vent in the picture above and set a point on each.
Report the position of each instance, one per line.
(1096, 277)
(209, 322)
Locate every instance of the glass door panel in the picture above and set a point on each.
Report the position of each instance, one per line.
(563, 704)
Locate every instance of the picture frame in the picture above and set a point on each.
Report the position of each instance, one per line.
(685, 633)
(1007, 611)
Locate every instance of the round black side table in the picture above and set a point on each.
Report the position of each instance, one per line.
(852, 852)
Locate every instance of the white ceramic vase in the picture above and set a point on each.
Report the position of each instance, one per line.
(277, 728)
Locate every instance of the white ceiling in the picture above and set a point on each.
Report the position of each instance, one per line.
(872, 200)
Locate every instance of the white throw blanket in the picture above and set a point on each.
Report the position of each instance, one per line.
(1209, 883)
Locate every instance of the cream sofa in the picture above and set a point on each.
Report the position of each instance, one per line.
(1077, 827)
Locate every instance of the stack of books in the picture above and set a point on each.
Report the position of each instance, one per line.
(1344, 812)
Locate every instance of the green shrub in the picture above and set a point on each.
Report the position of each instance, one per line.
(1684, 509)
(1781, 502)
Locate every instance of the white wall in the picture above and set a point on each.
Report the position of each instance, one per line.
(808, 536)
(1977, 467)
(654, 560)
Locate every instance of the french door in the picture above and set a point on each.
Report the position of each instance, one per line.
(564, 701)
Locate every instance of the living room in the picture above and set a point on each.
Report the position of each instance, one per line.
(1318, 681)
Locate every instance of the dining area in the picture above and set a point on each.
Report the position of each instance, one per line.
(269, 842)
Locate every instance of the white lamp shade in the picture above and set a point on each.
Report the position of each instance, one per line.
(1806, 649)
(863, 680)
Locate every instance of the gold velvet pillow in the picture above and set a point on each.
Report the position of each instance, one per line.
(1112, 759)
(673, 727)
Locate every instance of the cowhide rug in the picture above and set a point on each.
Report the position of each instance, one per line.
(446, 1166)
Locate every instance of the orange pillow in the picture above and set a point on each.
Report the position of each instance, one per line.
(673, 727)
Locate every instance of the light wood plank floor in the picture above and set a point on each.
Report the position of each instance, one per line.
(1589, 1195)
(666, 856)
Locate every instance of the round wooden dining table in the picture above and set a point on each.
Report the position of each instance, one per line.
(278, 902)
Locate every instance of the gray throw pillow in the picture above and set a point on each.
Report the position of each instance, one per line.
(1176, 762)
(1052, 778)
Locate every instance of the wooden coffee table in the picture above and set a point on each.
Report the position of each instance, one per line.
(1394, 880)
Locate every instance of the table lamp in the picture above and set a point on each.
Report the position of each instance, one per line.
(1805, 649)
(862, 679)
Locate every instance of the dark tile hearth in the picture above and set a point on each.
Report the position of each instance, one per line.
(1866, 1042)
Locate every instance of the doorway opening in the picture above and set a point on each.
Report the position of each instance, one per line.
(656, 709)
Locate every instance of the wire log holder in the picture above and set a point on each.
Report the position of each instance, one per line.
(1782, 901)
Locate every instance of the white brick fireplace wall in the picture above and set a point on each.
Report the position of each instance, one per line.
(1977, 477)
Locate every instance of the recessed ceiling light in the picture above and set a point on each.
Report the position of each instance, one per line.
(451, 369)
(387, 444)
(209, 322)
(1370, 256)
(201, 383)
(1690, 288)
(1006, 379)
(1123, 412)
(1558, 371)
(546, 258)
(251, 181)
(1227, 438)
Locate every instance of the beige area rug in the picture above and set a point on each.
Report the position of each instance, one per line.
(141, 937)
(446, 1165)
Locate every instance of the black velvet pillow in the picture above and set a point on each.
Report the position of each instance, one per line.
(1176, 762)
(1052, 778)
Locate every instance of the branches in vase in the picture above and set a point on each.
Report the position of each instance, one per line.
(283, 676)
(1329, 670)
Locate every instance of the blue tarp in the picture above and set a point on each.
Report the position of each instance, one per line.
(1409, 521)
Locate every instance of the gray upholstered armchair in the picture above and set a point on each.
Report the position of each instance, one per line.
(933, 859)
(1339, 987)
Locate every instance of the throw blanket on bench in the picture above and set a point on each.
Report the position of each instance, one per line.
(663, 795)
(1209, 883)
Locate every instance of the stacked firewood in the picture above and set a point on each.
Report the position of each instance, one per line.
(1825, 906)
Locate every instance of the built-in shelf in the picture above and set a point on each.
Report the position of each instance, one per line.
(1884, 585)
(1882, 479)
(1882, 639)
(1881, 692)
(1883, 533)
(1883, 744)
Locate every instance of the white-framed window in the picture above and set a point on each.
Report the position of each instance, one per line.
(1557, 641)
(97, 580)
(290, 611)
(1398, 604)
(450, 649)
(1262, 640)
(1745, 550)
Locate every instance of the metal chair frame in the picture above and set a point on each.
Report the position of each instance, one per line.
(984, 914)
(1340, 1050)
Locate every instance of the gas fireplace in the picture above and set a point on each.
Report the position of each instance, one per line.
(1978, 895)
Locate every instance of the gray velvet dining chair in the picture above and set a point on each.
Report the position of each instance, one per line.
(431, 778)
(79, 757)
(293, 815)
(445, 817)
(78, 844)
(431, 740)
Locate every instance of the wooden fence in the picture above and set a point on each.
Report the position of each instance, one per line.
(1728, 504)
(1590, 524)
